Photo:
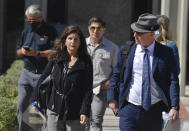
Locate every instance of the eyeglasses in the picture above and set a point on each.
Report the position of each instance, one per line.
(31, 21)
(92, 28)
(139, 33)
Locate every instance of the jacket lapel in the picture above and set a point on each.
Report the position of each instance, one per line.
(155, 57)
(129, 64)
(127, 75)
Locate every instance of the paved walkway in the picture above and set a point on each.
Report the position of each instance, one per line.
(184, 110)
(111, 123)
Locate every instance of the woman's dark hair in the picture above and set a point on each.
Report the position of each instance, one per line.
(60, 47)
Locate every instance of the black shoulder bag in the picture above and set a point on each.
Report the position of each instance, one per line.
(125, 54)
(45, 90)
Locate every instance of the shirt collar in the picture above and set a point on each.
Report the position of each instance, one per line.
(150, 48)
(41, 28)
(91, 44)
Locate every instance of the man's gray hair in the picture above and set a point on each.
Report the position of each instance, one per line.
(33, 10)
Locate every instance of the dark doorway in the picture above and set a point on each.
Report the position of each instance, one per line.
(57, 14)
(57, 11)
(14, 25)
(140, 7)
(15, 15)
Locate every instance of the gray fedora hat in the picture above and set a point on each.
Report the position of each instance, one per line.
(146, 23)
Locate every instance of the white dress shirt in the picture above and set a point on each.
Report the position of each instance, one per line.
(135, 85)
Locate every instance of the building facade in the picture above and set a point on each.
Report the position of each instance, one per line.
(178, 12)
(118, 14)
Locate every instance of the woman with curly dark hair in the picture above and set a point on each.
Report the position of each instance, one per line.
(70, 100)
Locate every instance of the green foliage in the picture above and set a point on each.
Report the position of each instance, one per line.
(8, 97)
(8, 119)
(8, 81)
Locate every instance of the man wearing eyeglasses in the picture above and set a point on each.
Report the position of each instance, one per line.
(34, 47)
(150, 84)
(104, 57)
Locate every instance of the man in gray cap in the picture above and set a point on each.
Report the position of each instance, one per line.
(150, 84)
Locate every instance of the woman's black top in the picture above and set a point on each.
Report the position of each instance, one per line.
(71, 93)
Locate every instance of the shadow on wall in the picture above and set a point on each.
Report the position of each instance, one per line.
(59, 28)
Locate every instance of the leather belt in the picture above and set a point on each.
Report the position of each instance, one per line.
(138, 106)
(152, 106)
(35, 71)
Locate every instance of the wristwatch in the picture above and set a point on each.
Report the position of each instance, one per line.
(175, 107)
(38, 53)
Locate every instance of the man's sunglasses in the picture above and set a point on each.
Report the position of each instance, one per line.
(139, 33)
(31, 21)
(92, 28)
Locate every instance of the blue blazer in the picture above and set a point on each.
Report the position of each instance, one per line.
(173, 45)
(164, 73)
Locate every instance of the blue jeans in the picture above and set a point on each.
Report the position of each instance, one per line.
(26, 84)
(133, 118)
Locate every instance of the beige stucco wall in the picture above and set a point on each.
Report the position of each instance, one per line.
(177, 10)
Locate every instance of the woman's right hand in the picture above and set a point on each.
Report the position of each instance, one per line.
(83, 119)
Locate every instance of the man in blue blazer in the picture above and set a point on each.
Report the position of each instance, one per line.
(150, 83)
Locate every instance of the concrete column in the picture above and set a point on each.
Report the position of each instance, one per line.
(173, 15)
(165, 6)
(182, 40)
(156, 7)
(3, 43)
